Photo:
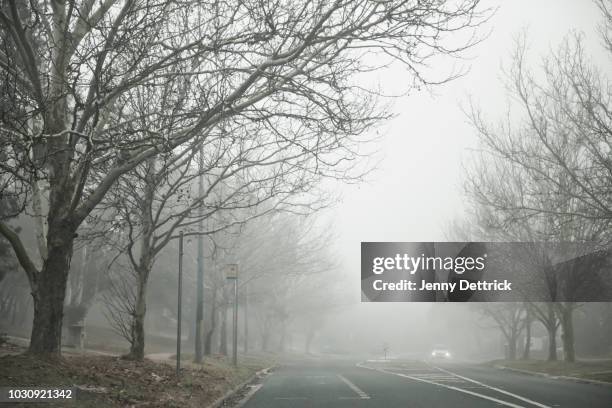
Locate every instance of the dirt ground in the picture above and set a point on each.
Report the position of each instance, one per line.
(107, 381)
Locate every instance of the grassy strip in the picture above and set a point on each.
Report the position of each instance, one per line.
(106, 381)
(599, 370)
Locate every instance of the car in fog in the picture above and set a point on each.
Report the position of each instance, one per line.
(440, 352)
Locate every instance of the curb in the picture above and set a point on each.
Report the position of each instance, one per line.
(555, 377)
(219, 401)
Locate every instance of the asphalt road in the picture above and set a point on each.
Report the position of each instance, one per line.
(413, 384)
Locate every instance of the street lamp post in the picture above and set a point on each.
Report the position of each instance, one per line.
(232, 274)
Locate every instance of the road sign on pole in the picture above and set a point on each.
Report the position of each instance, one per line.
(231, 271)
(232, 274)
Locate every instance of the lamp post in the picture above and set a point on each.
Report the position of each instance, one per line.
(232, 274)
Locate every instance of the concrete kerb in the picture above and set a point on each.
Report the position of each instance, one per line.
(259, 374)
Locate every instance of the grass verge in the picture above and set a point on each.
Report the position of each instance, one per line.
(106, 381)
(599, 370)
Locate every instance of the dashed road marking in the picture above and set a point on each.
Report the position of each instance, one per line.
(462, 389)
(356, 389)
(290, 398)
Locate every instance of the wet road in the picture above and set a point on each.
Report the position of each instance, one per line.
(414, 384)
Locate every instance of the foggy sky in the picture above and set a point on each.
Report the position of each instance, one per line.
(417, 188)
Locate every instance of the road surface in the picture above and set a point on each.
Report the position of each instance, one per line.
(414, 384)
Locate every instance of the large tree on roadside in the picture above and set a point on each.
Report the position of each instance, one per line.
(71, 64)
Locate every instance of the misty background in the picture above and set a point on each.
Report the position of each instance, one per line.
(418, 188)
(311, 303)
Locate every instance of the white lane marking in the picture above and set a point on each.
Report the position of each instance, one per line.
(358, 391)
(537, 404)
(442, 377)
(450, 387)
(290, 398)
(407, 369)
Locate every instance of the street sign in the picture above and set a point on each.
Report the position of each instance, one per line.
(231, 271)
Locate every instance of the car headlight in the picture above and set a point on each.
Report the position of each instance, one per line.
(447, 354)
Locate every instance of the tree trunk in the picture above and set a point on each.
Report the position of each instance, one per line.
(143, 266)
(213, 325)
(14, 308)
(49, 291)
(265, 334)
(512, 340)
(208, 341)
(552, 342)
(310, 335)
(527, 348)
(567, 325)
(265, 338)
(283, 338)
(55, 155)
(137, 345)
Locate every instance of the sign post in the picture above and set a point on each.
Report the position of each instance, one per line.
(232, 274)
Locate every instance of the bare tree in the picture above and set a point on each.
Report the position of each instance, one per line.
(244, 178)
(286, 274)
(530, 265)
(555, 153)
(120, 302)
(73, 66)
(546, 172)
(510, 319)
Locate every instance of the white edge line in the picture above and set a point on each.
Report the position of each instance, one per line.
(450, 387)
(494, 388)
(356, 389)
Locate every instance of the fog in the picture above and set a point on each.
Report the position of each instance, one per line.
(417, 189)
(299, 275)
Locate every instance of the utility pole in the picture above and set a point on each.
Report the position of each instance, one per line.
(200, 279)
(232, 274)
(246, 320)
(235, 337)
(180, 299)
